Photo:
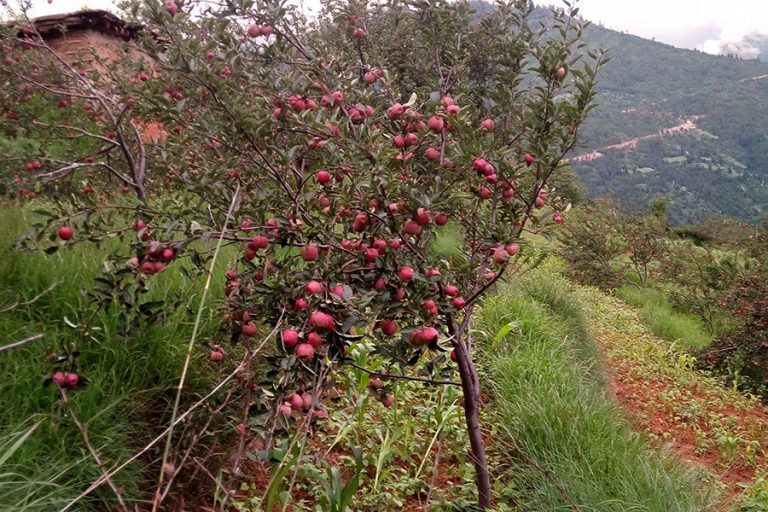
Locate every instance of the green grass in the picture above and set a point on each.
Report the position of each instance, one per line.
(663, 319)
(125, 394)
(550, 397)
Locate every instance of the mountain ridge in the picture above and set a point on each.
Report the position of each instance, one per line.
(718, 167)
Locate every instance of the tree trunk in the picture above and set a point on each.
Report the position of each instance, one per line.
(470, 385)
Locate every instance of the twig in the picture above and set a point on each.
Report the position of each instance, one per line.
(162, 434)
(32, 300)
(92, 450)
(213, 414)
(190, 347)
(21, 342)
(435, 473)
(402, 377)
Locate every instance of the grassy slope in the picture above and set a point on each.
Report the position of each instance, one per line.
(707, 423)
(551, 395)
(126, 379)
(663, 319)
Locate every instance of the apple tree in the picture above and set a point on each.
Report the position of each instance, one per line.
(333, 154)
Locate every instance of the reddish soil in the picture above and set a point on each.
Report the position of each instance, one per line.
(649, 408)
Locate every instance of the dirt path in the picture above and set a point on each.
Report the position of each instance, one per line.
(688, 413)
(685, 127)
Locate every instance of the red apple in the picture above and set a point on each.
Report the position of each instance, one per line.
(388, 327)
(560, 73)
(395, 111)
(436, 124)
(322, 320)
(249, 329)
(358, 33)
(451, 290)
(459, 303)
(323, 177)
(431, 154)
(305, 350)
(558, 218)
(485, 193)
(60, 379)
(441, 219)
(314, 288)
(72, 379)
(398, 141)
(284, 409)
(296, 401)
(172, 8)
(301, 304)
(254, 31)
(314, 339)
(479, 164)
(500, 256)
(512, 249)
(452, 110)
(412, 227)
(66, 232)
(371, 255)
(488, 124)
(405, 273)
(528, 159)
(310, 252)
(290, 338)
(338, 291)
(258, 242)
(216, 356)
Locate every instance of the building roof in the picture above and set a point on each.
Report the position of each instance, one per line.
(56, 25)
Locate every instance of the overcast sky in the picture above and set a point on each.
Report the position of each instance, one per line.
(714, 26)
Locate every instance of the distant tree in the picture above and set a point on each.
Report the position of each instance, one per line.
(590, 242)
(700, 278)
(660, 208)
(644, 242)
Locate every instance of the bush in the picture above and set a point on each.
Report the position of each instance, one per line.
(743, 352)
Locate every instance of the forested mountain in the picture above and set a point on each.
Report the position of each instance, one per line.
(690, 126)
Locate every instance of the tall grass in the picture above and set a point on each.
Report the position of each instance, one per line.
(663, 319)
(125, 380)
(550, 398)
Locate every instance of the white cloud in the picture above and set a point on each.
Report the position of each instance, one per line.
(713, 26)
(686, 23)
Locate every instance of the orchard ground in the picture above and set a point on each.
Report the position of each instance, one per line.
(560, 359)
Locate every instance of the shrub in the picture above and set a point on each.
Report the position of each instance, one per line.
(744, 351)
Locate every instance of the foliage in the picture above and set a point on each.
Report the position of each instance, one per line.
(590, 242)
(663, 319)
(658, 381)
(329, 159)
(743, 352)
(124, 380)
(700, 278)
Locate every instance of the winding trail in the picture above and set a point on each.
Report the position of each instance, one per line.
(685, 411)
(684, 127)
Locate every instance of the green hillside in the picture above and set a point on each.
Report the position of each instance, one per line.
(719, 164)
